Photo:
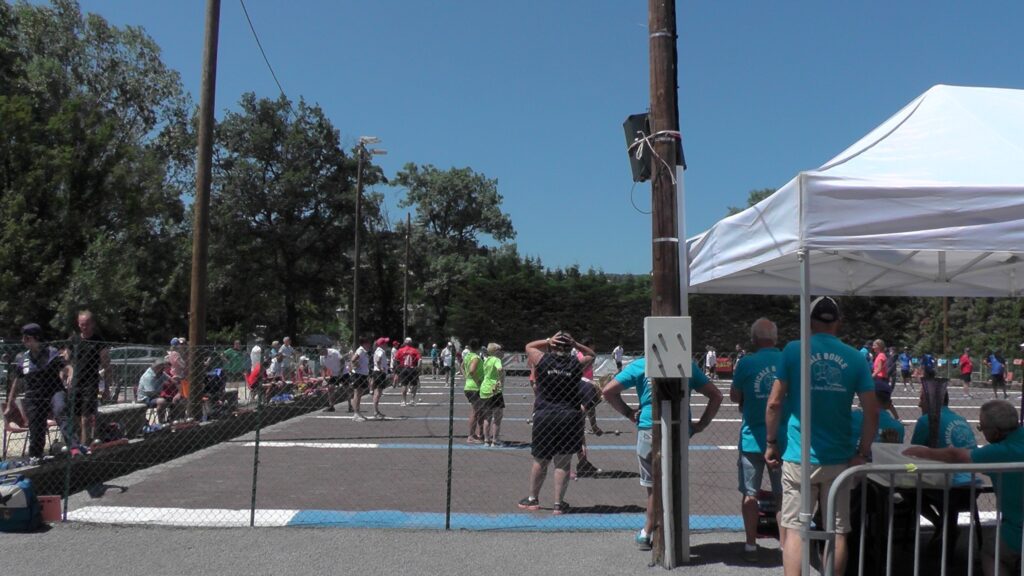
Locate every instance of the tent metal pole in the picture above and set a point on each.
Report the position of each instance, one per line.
(806, 511)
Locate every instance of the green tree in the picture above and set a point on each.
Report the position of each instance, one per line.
(85, 109)
(753, 197)
(454, 208)
(282, 217)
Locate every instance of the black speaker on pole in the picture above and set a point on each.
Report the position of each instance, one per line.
(637, 127)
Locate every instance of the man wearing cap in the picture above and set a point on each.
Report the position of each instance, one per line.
(332, 370)
(38, 377)
(837, 372)
(407, 359)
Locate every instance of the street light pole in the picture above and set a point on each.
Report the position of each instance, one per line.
(362, 151)
(355, 260)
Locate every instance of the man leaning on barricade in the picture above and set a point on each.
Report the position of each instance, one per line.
(999, 423)
(838, 372)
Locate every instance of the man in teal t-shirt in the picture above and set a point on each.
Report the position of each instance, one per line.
(838, 372)
(632, 376)
(1000, 425)
(751, 384)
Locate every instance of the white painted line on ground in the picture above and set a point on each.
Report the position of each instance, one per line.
(179, 516)
(336, 445)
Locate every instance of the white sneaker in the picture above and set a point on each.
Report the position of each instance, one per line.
(404, 403)
(358, 417)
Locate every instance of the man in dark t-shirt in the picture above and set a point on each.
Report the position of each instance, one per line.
(37, 377)
(91, 362)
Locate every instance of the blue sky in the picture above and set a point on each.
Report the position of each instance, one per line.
(533, 93)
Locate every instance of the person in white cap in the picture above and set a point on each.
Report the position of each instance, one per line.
(838, 372)
(407, 362)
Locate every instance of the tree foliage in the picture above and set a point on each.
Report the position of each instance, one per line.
(85, 110)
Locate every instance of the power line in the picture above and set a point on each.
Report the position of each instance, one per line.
(260, 45)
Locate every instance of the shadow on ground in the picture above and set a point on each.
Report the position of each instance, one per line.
(731, 554)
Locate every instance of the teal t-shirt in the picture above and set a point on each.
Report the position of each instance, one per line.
(838, 372)
(954, 431)
(885, 422)
(754, 375)
(1009, 487)
(632, 376)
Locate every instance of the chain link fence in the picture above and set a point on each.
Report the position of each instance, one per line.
(229, 436)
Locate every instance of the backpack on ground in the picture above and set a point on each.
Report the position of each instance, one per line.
(19, 507)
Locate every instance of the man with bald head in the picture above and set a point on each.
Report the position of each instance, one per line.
(752, 383)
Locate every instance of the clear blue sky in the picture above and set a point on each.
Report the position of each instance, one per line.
(534, 92)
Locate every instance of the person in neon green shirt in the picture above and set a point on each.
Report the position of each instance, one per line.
(491, 400)
(473, 368)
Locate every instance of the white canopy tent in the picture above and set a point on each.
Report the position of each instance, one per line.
(930, 203)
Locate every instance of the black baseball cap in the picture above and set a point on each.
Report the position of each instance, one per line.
(34, 330)
(825, 309)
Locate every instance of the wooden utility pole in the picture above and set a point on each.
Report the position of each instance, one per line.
(201, 207)
(665, 296)
(405, 282)
(360, 150)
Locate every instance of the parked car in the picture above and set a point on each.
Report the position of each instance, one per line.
(127, 364)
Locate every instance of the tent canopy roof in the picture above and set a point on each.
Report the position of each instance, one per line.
(929, 203)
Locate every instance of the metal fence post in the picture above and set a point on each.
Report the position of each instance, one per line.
(451, 439)
(256, 455)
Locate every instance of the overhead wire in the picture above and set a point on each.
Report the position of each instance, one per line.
(262, 51)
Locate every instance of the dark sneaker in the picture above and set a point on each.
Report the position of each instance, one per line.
(560, 508)
(529, 503)
(379, 415)
(643, 541)
(585, 469)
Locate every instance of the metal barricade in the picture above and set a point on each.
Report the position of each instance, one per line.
(895, 480)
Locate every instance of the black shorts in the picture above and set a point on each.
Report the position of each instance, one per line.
(493, 403)
(998, 380)
(905, 373)
(87, 401)
(556, 432)
(360, 382)
(966, 378)
(380, 381)
(409, 377)
(473, 396)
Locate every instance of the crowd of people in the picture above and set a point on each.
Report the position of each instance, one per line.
(66, 383)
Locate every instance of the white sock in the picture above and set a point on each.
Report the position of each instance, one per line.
(749, 547)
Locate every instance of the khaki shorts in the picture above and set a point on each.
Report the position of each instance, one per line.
(821, 480)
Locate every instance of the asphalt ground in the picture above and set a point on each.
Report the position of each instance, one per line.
(159, 551)
(363, 493)
(327, 469)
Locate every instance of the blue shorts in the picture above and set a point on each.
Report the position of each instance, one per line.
(750, 466)
(643, 457)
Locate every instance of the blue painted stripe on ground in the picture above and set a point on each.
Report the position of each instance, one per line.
(524, 522)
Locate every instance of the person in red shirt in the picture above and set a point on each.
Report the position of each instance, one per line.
(965, 371)
(407, 362)
(880, 374)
